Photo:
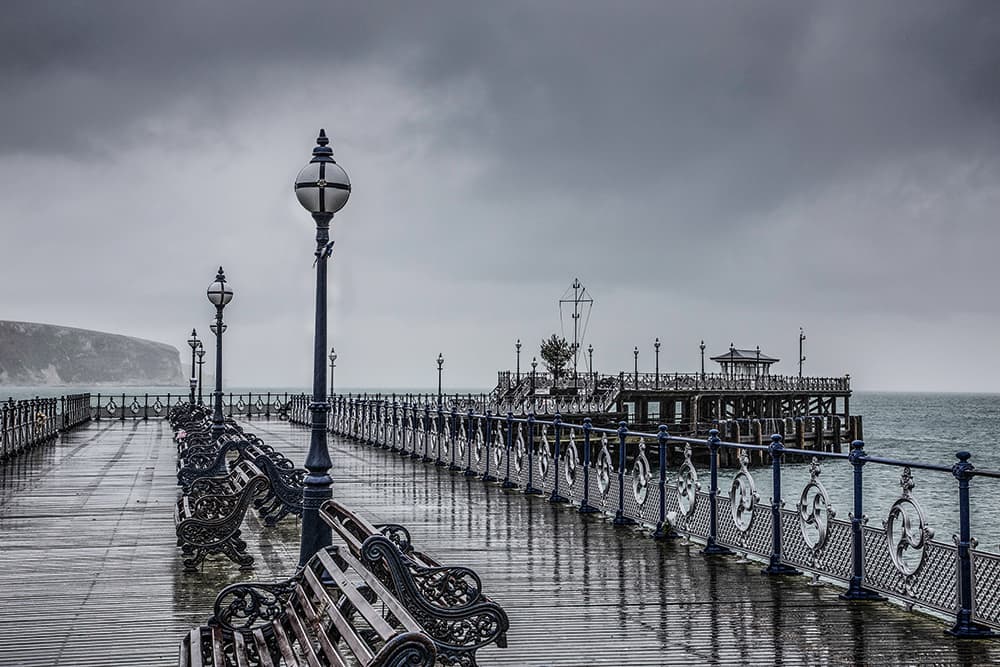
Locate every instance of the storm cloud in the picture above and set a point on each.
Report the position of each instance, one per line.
(712, 170)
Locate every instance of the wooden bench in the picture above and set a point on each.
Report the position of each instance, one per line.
(284, 496)
(209, 515)
(447, 601)
(333, 612)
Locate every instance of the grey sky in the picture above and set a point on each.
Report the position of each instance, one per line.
(717, 170)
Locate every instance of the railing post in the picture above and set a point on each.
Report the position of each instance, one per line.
(856, 589)
(395, 424)
(620, 518)
(711, 547)
(487, 477)
(585, 506)
(776, 566)
(438, 432)
(145, 409)
(427, 433)
(470, 434)
(454, 435)
(964, 625)
(663, 527)
(557, 427)
(509, 448)
(65, 417)
(530, 488)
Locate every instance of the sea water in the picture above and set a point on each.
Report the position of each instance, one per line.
(925, 427)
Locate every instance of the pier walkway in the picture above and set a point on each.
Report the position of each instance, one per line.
(91, 575)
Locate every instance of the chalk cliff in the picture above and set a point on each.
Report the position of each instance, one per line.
(45, 354)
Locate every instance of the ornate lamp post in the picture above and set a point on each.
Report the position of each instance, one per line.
(732, 360)
(702, 347)
(534, 365)
(590, 367)
(635, 374)
(517, 346)
(440, 361)
(322, 187)
(201, 365)
(219, 294)
(656, 346)
(802, 357)
(333, 365)
(194, 343)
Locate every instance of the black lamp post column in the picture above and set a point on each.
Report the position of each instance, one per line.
(317, 486)
(219, 294)
(802, 357)
(194, 343)
(635, 374)
(590, 367)
(322, 187)
(702, 347)
(517, 346)
(657, 346)
(440, 361)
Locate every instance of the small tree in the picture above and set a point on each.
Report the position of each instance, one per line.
(555, 353)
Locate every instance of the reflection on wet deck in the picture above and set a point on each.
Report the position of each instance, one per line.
(92, 575)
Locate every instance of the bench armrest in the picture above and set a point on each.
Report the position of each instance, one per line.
(398, 535)
(246, 607)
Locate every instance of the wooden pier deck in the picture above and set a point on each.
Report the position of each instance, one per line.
(91, 575)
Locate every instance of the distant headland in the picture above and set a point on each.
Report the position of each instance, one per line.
(46, 354)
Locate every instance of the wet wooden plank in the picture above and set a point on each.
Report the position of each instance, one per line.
(92, 576)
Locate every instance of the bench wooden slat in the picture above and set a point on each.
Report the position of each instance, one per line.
(241, 649)
(383, 593)
(262, 650)
(284, 645)
(347, 632)
(305, 644)
(217, 657)
(373, 617)
(312, 615)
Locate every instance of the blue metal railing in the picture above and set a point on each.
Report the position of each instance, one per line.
(610, 470)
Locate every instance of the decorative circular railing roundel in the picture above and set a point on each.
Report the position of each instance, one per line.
(498, 446)
(519, 449)
(907, 530)
(687, 485)
(641, 475)
(480, 442)
(571, 460)
(743, 496)
(544, 455)
(814, 511)
(604, 467)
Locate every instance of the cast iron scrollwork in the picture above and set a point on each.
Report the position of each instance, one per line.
(544, 453)
(743, 496)
(498, 445)
(480, 442)
(447, 602)
(396, 534)
(907, 531)
(519, 448)
(246, 607)
(571, 459)
(641, 475)
(687, 486)
(815, 512)
(604, 467)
